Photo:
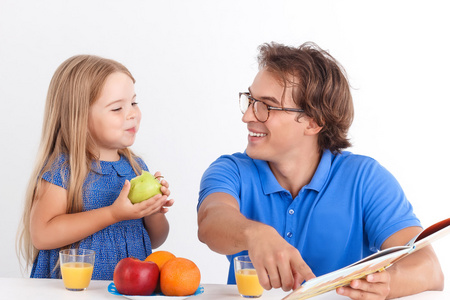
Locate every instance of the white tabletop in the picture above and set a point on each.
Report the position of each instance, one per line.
(48, 289)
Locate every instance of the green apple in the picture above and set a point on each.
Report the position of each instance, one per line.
(143, 187)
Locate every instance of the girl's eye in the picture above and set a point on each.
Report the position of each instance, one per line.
(117, 109)
(134, 103)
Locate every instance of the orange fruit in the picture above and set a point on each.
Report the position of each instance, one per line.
(179, 277)
(160, 258)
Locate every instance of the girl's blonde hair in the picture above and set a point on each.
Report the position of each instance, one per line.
(75, 86)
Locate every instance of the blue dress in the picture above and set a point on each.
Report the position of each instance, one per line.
(111, 244)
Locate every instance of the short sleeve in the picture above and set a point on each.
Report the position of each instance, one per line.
(386, 208)
(221, 176)
(59, 172)
(141, 163)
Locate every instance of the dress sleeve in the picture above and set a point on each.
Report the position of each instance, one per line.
(141, 163)
(59, 173)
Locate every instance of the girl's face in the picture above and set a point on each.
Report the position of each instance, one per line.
(114, 117)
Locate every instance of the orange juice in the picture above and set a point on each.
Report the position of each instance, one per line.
(76, 275)
(248, 283)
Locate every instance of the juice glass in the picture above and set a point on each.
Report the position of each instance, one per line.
(246, 278)
(76, 268)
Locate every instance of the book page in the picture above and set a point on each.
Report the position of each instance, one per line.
(344, 276)
(432, 234)
(381, 253)
(376, 262)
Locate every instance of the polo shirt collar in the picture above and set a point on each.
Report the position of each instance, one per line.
(323, 170)
(121, 167)
(268, 181)
(270, 184)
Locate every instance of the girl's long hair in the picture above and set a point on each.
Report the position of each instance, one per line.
(75, 86)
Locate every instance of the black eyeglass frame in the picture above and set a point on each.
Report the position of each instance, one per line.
(269, 108)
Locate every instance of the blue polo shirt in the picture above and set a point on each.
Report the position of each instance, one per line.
(350, 207)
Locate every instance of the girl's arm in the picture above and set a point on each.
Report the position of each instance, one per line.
(51, 227)
(158, 228)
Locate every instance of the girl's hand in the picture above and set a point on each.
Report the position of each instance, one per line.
(122, 209)
(165, 191)
(165, 185)
(157, 225)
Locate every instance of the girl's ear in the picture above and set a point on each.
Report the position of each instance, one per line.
(312, 128)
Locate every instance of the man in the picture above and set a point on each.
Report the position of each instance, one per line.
(299, 205)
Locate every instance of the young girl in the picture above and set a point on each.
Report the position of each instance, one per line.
(77, 196)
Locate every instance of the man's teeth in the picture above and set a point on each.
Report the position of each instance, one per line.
(256, 134)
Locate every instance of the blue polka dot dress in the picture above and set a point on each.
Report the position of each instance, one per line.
(111, 244)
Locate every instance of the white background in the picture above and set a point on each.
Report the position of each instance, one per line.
(191, 58)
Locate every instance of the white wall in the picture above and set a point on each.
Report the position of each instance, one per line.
(191, 58)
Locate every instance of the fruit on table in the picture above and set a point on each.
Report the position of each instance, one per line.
(143, 187)
(160, 257)
(135, 277)
(179, 277)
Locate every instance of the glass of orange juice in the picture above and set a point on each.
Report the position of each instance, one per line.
(246, 279)
(76, 268)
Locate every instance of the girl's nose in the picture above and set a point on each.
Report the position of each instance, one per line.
(131, 113)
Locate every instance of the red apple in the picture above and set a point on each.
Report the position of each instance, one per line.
(135, 277)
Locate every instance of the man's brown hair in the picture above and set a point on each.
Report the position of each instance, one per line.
(321, 88)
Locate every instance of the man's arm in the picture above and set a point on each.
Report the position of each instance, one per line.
(225, 230)
(413, 274)
(417, 272)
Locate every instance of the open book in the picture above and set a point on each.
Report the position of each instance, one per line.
(376, 262)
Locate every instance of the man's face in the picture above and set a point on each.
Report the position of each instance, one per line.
(281, 137)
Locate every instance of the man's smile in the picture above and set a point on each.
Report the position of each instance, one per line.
(251, 133)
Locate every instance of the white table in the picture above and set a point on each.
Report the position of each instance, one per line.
(48, 289)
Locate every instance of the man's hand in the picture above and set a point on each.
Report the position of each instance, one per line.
(375, 286)
(277, 263)
(225, 230)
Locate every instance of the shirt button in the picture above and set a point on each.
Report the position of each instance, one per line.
(289, 234)
(291, 211)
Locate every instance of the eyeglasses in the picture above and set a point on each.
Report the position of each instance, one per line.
(260, 109)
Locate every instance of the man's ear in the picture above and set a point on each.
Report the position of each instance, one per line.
(312, 128)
